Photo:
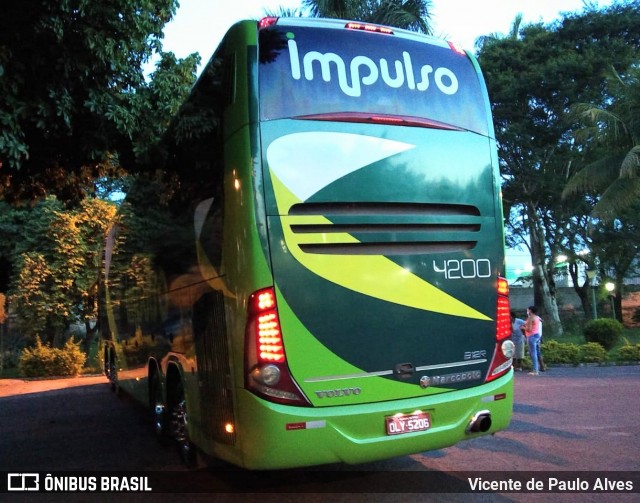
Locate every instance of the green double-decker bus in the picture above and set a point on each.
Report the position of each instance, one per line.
(319, 277)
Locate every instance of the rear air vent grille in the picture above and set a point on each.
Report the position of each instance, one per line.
(385, 209)
(387, 248)
(395, 228)
(386, 228)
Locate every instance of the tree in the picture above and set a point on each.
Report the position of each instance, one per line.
(74, 103)
(79, 237)
(22, 228)
(38, 312)
(612, 131)
(514, 33)
(616, 243)
(3, 311)
(77, 112)
(57, 277)
(411, 15)
(533, 80)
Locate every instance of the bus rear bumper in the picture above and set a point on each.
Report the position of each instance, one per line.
(273, 436)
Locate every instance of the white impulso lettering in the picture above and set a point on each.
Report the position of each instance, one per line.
(364, 71)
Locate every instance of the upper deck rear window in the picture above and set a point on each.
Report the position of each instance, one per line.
(305, 71)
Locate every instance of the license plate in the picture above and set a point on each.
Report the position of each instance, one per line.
(397, 425)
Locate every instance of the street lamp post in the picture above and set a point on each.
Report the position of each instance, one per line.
(592, 275)
(610, 288)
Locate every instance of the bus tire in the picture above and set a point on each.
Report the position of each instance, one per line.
(179, 426)
(157, 407)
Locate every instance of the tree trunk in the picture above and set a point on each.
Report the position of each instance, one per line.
(583, 291)
(617, 297)
(89, 337)
(543, 290)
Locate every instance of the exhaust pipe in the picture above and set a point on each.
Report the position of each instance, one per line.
(480, 422)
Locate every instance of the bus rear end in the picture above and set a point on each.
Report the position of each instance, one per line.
(385, 330)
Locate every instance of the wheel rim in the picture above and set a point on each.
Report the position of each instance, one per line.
(158, 410)
(179, 422)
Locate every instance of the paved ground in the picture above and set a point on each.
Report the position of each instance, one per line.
(566, 422)
(9, 387)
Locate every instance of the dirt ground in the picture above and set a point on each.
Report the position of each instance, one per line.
(10, 387)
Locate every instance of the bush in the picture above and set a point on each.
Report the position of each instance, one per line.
(629, 352)
(592, 352)
(44, 361)
(604, 331)
(560, 352)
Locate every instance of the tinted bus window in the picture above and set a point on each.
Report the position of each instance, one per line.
(314, 71)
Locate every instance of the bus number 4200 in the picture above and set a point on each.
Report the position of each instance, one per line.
(464, 269)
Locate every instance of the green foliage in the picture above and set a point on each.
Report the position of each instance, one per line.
(629, 352)
(56, 254)
(560, 352)
(34, 308)
(571, 351)
(592, 352)
(408, 14)
(612, 132)
(3, 312)
(534, 76)
(74, 102)
(605, 331)
(45, 361)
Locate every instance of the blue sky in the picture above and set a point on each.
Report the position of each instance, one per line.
(200, 24)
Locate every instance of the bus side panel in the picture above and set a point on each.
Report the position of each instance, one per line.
(244, 265)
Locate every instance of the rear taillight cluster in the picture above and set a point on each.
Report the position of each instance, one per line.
(503, 354)
(266, 370)
(503, 315)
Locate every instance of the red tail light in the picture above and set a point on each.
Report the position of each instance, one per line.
(503, 354)
(503, 315)
(266, 370)
(268, 337)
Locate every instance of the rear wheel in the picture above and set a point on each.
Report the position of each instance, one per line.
(157, 406)
(179, 426)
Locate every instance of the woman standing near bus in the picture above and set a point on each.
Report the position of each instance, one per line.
(532, 330)
(518, 338)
